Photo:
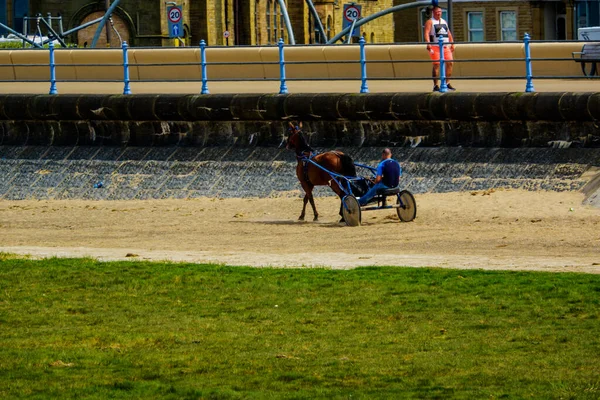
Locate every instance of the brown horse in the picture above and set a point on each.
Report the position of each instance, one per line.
(310, 175)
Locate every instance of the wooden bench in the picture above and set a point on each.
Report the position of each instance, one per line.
(590, 53)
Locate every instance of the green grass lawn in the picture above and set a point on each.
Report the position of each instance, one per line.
(85, 329)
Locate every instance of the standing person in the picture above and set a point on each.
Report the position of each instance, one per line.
(388, 176)
(435, 27)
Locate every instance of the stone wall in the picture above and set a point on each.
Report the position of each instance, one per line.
(125, 173)
(452, 119)
(184, 146)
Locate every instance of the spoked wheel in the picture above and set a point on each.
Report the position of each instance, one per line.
(407, 210)
(351, 210)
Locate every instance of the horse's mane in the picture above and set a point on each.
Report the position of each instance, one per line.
(303, 144)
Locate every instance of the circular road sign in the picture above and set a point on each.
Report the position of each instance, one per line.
(175, 15)
(351, 13)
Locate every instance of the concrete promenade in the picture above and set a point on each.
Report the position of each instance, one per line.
(484, 86)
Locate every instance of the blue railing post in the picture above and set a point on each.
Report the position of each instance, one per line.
(126, 88)
(53, 89)
(203, 67)
(283, 88)
(529, 75)
(364, 88)
(443, 84)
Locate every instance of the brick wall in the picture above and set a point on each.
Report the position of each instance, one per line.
(491, 12)
(407, 24)
(197, 13)
(529, 19)
(298, 11)
(206, 19)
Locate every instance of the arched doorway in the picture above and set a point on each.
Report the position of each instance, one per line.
(85, 36)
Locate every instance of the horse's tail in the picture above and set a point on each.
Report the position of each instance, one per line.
(348, 167)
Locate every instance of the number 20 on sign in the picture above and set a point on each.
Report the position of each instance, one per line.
(174, 14)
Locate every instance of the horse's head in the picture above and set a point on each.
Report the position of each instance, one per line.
(294, 139)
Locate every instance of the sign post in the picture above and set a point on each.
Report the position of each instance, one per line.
(352, 13)
(175, 21)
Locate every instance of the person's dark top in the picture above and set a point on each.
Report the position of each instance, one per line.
(390, 172)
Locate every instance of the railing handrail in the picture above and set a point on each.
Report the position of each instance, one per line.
(274, 46)
(362, 62)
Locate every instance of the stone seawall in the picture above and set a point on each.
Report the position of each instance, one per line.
(172, 146)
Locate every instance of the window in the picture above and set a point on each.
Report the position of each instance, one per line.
(475, 26)
(508, 25)
(275, 25)
(281, 26)
(275, 22)
(256, 25)
(318, 36)
(587, 13)
(425, 15)
(268, 25)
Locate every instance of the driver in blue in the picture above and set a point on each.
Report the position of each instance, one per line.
(388, 176)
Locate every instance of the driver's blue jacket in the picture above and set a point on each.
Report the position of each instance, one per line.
(390, 170)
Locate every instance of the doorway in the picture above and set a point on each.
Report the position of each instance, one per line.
(242, 18)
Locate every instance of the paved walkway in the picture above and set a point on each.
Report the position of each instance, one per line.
(554, 85)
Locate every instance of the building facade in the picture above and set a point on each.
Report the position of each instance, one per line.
(261, 22)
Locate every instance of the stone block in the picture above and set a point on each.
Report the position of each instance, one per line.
(410, 106)
(272, 106)
(142, 107)
(245, 107)
(488, 107)
(296, 107)
(325, 106)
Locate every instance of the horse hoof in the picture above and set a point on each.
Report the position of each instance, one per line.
(342, 221)
(300, 218)
(315, 218)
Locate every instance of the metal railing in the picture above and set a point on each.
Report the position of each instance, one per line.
(205, 66)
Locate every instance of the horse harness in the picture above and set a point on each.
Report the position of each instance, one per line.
(305, 162)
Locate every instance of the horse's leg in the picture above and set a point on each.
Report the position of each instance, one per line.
(305, 186)
(312, 203)
(308, 188)
(301, 217)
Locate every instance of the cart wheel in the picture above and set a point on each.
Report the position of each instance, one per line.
(351, 210)
(408, 207)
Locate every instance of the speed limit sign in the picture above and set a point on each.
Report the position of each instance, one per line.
(351, 13)
(175, 21)
(174, 15)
